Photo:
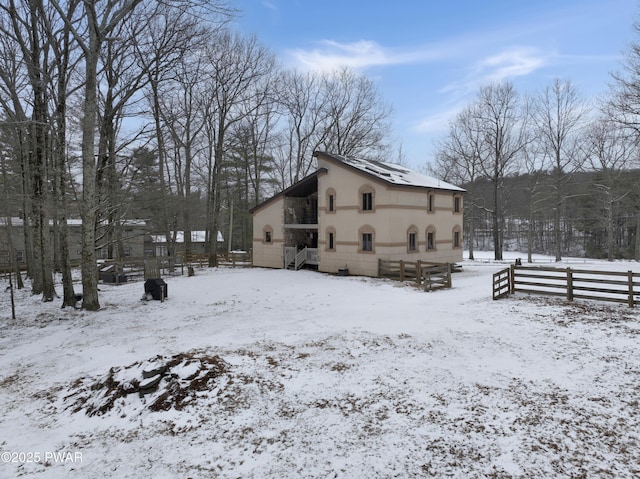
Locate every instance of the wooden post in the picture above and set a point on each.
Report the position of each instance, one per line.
(512, 279)
(569, 284)
(630, 276)
(418, 273)
(448, 275)
(401, 270)
(427, 280)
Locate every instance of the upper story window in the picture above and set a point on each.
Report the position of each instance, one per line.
(431, 202)
(367, 201)
(457, 204)
(367, 198)
(331, 200)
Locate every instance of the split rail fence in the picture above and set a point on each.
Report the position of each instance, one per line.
(428, 276)
(613, 286)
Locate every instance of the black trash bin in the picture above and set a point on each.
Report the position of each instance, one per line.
(157, 288)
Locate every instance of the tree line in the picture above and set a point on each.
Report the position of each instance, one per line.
(158, 110)
(552, 171)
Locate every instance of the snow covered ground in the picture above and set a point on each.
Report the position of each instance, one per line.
(271, 373)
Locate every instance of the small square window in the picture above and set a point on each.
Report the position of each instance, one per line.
(367, 241)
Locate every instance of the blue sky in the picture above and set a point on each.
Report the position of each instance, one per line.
(428, 58)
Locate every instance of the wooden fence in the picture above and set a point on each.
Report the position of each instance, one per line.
(118, 271)
(502, 283)
(131, 269)
(429, 276)
(569, 283)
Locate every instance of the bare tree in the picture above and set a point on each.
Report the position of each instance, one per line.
(609, 152)
(502, 118)
(559, 115)
(302, 104)
(160, 49)
(533, 163)
(357, 120)
(236, 65)
(26, 30)
(624, 101)
(457, 160)
(623, 104)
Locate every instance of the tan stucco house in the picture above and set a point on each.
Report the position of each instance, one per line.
(352, 212)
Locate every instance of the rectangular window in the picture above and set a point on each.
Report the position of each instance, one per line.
(267, 236)
(367, 241)
(456, 204)
(412, 241)
(367, 201)
(20, 256)
(430, 205)
(430, 241)
(127, 252)
(331, 204)
(456, 239)
(331, 241)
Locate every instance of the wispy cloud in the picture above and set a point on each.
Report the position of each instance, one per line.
(505, 65)
(269, 5)
(331, 55)
(438, 121)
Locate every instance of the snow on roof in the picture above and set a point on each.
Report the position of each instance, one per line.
(394, 174)
(196, 237)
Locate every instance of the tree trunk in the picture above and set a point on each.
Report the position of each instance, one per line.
(497, 237)
(89, 200)
(557, 233)
(472, 229)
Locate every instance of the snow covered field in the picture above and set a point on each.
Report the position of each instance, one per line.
(271, 373)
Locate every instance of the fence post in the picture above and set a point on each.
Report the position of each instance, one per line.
(630, 275)
(512, 279)
(418, 273)
(427, 280)
(569, 284)
(401, 270)
(448, 275)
